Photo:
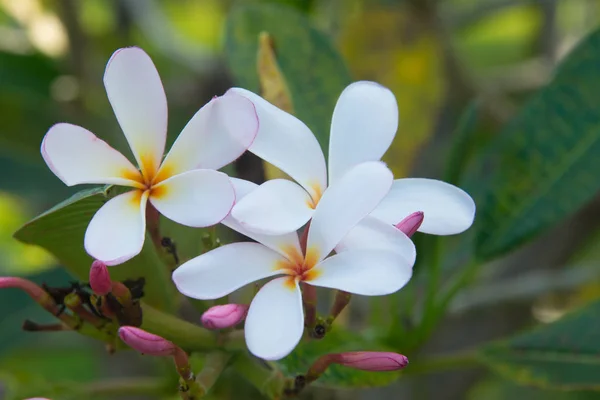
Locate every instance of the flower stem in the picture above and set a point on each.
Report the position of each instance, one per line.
(153, 227)
(269, 381)
(309, 298)
(213, 367)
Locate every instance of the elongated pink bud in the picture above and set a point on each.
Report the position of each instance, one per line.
(410, 224)
(33, 290)
(225, 316)
(100, 278)
(145, 342)
(372, 360)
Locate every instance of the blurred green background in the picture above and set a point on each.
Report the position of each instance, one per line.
(436, 56)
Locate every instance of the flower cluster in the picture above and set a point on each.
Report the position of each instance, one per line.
(356, 219)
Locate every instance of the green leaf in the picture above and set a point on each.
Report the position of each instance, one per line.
(544, 163)
(61, 230)
(315, 73)
(499, 389)
(337, 341)
(562, 355)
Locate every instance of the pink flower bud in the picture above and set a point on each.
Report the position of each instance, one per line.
(33, 290)
(145, 342)
(225, 316)
(372, 360)
(100, 278)
(410, 224)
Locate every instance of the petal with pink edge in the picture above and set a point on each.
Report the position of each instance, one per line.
(76, 156)
(286, 142)
(225, 269)
(117, 231)
(138, 99)
(198, 198)
(218, 134)
(364, 272)
(363, 126)
(275, 320)
(276, 207)
(345, 203)
(448, 210)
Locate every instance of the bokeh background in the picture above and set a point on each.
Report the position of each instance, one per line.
(438, 57)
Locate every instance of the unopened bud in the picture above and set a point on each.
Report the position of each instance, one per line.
(33, 290)
(100, 278)
(411, 224)
(225, 316)
(373, 360)
(145, 342)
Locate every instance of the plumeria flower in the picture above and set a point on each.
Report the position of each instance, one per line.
(275, 320)
(364, 123)
(184, 187)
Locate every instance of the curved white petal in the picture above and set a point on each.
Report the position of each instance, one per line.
(225, 269)
(275, 320)
(198, 198)
(363, 126)
(373, 234)
(138, 99)
(75, 155)
(287, 244)
(448, 210)
(364, 272)
(215, 136)
(276, 207)
(117, 231)
(345, 203)
(286, 142)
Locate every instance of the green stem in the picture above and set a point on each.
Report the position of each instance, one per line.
(466, 359)
(269, 382)
(214, 366)
(125, 387)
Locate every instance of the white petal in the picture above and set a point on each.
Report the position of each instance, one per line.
(363, 126)
(373, 234)
(76, 155)
(225, 269)
(218, 134)
(138, 99)
(364, 272)
(345, 203)
(287, 244)
(117, 231)
(275, 320)
(448, 210)
(276, 207)
(198, 198)
(286, 142)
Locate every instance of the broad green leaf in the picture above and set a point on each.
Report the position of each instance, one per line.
(543, 166)
(562, 355)
(314, 71)
(337, 341)
(499, 389)
(61, 230)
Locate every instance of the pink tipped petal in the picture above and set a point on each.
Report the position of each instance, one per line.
(100, 278)
(227, 268)
(373, 234)
(276, 207)
(225, 316)
(145, 342)
(286, 142)
(364, 272)
(275, 320)
(448, 210)
(372, 360)
(218, 134)
(198, 198)
(138, 99)
(116, 232)
(345, 203)
(363, 126)
(75, 155)
(287, 244)
(411, 224)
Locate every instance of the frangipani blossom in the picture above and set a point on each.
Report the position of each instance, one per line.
(184, 187)
(275, 321)
(363, 126)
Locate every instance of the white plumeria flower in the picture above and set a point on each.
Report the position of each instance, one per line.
(185, 187)
(275, 321)
(363, 126)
